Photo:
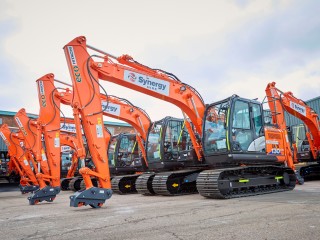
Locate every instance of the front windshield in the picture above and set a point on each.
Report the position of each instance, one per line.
(128, 150)
(215, 128)
(176, 139)
(111, 151)
(153, 143)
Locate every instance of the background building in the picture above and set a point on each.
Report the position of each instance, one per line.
(7, 117)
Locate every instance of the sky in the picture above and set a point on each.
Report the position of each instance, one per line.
(220, 47)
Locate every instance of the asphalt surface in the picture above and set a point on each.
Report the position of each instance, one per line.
(286, 215)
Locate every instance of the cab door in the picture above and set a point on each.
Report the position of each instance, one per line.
(246, 126)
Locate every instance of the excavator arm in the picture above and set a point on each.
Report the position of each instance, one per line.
(123, 110)
(129, 73)
(86, 103)
(279, 102)
(32, 135)
(13, 142)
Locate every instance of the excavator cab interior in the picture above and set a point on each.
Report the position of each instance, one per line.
(124, 154)
(169, 145)
(234, 130)
(299, 139)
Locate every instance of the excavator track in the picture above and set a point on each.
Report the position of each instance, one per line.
(245, 181)
(124, 184)
(175, 183)
(144, 184)
(74, 184)
(64, 183)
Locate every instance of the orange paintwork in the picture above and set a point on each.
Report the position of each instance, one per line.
(86, 100)
(29, 128)
(174, 91)
(13, 141)
(280, 102)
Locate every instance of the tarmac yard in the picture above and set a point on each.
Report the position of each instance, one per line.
(287, 215)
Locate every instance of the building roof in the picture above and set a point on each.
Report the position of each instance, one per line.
(9, 113)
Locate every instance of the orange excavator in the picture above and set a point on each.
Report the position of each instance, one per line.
(121, 109)
(48, 126)
(21, 161)
(86, 102)
(229, 165)
(34, 143)
(309, 149)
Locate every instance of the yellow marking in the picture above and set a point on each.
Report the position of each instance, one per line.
(278, 177)
(175, 185)
(57, 135)
(127, 186)
(244, 180)
(99, 121)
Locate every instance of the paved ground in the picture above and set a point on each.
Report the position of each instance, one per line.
(287, 215)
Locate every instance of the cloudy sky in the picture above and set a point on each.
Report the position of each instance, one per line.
(219, 47)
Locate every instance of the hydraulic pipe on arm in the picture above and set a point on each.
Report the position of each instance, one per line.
(131, 74)
(86, 98)
(28, 182)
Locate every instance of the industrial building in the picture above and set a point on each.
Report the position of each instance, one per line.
(7, 117)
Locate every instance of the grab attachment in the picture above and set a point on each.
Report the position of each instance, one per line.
(94, 196)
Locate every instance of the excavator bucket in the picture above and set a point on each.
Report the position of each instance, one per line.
(95, 197)
(45, 194)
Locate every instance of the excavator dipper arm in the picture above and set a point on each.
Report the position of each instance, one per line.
(86, 98)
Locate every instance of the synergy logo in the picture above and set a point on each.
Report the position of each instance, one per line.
(112, 108)
(20, 126)
(68, 127)
(42, 94)
(298, 108)
(65, 149)
(153, 84)
(132, 77)
(5, 139)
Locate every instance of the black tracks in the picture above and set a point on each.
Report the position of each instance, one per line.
(245, 181)
(124, 184)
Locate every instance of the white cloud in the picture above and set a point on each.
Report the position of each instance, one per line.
(219, 47)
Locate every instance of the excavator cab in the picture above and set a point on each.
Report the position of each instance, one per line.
(169, 145)
(300, 143)
(234, 132)
(124, 155)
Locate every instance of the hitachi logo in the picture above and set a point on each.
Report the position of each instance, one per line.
(72, 57)
(152, 84)
(42, 95)
(5, 139)
(21, 126)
